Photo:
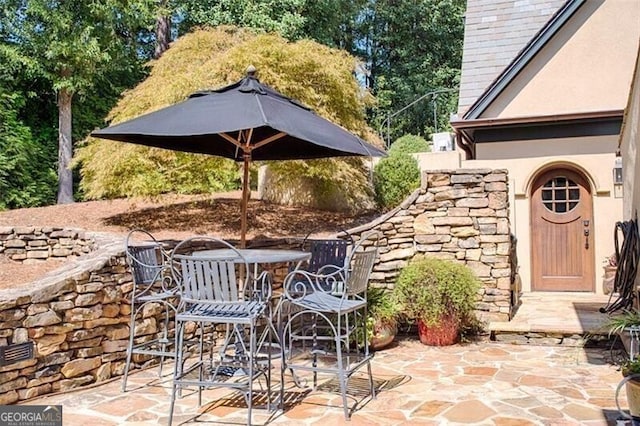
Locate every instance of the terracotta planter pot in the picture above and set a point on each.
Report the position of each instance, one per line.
(632, 387)
(445, 333)
(383, 335)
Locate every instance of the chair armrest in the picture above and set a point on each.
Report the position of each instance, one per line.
(300, 283)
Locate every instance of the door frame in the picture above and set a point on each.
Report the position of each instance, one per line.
(588, 184)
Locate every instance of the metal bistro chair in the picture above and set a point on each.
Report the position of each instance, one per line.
(219, 291)
(327, 255)
(338, 314)
(153, 285)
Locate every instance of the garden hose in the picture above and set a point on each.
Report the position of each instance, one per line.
(628, 257)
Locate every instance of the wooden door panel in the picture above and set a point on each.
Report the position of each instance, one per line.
(561, 211)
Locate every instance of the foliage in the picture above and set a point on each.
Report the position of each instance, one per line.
(409, 144)
(329, 22)
(394, 178)
(631, 366)
(281, 16)
(70, 45)
(617, 323)
(381, 305)
(430, 288)
(97, 49)
(400, 72)
(24, 180)
(382, 311)
(316, 75)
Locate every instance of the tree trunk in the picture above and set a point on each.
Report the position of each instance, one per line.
(65, 147)
(163, 35)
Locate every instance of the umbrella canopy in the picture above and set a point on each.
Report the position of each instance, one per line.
(244, 121)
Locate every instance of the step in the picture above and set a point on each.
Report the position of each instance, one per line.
(526, 334)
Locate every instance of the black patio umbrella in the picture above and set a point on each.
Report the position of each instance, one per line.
(244, 121)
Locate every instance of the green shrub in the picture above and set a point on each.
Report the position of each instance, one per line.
(409, 144)
(394, 178)
(381, 305)
(430, 288)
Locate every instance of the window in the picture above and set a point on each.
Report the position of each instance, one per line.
(560, 195)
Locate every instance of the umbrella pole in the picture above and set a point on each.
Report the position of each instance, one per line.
(245, 200)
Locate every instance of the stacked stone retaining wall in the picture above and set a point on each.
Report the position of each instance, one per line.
(30, 244)
(460, 215)
(77, 317)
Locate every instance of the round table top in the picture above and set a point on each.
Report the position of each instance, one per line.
(257, 255)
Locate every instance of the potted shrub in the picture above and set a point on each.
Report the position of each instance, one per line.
(441, 295)
(627, 326)
(631, 380)
(382, 323)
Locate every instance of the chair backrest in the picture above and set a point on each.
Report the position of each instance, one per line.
(210, 278)
(146, 257)
(361, 267)
(325, 252)
(360, 264)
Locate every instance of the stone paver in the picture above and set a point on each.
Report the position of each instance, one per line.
(481, 383)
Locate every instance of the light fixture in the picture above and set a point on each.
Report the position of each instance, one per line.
(617, 176)
(617, 170)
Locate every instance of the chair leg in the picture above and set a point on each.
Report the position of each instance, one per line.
(341, 374)
(200, 361)
(372, 386)
(177, 368)
(132, 330)
(252, 351)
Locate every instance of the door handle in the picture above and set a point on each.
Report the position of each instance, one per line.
(586, 237)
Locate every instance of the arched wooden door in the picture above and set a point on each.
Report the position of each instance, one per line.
(562, 232)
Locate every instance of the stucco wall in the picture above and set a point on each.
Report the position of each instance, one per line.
(586, 66)
(630, 148)
(524, 160)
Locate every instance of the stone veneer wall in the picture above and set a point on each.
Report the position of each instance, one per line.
(28, 244)
(460, 215)
(77, 320)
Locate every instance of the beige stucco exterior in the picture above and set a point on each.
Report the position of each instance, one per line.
(587, 66)
(630, 150)
(592, 156)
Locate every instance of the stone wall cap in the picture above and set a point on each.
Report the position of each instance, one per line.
(56, 281)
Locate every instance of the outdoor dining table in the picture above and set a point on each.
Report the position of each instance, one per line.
(257, 256)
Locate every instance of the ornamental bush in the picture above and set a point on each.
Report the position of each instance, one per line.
(429, 289)
(409, 144)
(394, 178)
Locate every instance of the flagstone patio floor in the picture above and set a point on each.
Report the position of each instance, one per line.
(481, 383)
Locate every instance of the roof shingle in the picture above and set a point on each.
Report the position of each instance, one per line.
(495, 32)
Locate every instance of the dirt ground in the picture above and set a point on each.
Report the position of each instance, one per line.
(172, 216)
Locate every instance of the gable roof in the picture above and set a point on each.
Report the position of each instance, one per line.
(538, 41)
(496, 31)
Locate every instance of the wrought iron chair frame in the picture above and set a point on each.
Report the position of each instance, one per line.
(210, 294)
(152, 284)
(338, 319)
